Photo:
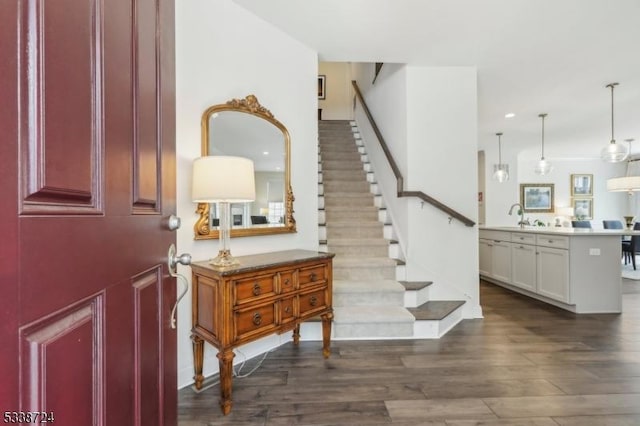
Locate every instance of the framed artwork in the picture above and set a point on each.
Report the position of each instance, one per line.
(582, 185)
(536, 197)
(583, 208)
(321, 87)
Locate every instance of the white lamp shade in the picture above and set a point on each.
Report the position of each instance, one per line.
(219, 178)
(566, 211)
(624, 184)
(543, 167)
(501, 172)
(614, 153)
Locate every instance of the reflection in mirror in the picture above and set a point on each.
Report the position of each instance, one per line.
(244, 128)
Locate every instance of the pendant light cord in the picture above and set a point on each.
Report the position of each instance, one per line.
(612, 85)
(499, 149)
(542, 116)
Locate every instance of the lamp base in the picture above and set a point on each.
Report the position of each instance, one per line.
(224, 259)
(629, 221)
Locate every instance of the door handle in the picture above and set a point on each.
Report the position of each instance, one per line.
(172, 261)
(173, 222)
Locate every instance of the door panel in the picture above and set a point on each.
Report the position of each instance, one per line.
(89, 120)
(58, 352)
(146, 170)
(59, 62)
(148, 366)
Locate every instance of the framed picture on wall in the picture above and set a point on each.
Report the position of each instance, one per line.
(583, 208)
(581, 185)
(536, 197)
(321, 87)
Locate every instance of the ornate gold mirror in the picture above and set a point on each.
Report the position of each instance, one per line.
(244, 128)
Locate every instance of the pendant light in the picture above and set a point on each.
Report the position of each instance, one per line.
(500, 170)
(613, 153)
(627, 183)
(543, 167)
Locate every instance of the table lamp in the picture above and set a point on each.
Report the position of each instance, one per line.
(223, 180)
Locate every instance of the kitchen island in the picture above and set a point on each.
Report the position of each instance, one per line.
(576, 269)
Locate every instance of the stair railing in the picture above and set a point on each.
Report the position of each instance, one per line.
(396, 170)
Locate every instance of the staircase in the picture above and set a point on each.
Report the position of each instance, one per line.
(369, 301)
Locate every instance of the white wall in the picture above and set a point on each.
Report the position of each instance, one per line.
(442, 162)
(428, 119)
(387, 101)
(225, 52)
(337, 104)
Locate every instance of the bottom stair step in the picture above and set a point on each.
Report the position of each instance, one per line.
(366, 322)
(435, 309)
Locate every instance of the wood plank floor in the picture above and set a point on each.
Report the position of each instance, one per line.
(525, 363)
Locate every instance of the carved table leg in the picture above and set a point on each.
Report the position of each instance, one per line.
(198, 355)
(225, 358)
(326, 333)
(296, 335)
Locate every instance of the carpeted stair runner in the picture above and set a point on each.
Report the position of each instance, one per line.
(368, 301)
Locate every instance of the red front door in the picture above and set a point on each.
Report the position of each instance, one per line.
(87, 181)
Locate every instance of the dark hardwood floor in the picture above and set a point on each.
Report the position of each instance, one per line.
(525, 363)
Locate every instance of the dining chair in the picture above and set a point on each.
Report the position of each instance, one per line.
(626, 251)
(581, 224)
(633, 247)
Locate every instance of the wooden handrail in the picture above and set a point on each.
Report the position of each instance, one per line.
(396, 170)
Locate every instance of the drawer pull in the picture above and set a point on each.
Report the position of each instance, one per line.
(550, 241)
(257, 318)
(313, 276)
(287, 282)
(256, 289)
(287, 309)
(313, 300)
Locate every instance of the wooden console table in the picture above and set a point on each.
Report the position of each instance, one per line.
(265, 294)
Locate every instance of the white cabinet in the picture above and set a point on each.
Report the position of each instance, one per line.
(486, 257)
(501, 261)
(495, 256)
(536, 263)
(571, 269)
(523, 258)
(553, 273)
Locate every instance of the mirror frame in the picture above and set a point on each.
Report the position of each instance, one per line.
(248, 105)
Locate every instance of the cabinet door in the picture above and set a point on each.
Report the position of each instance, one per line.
(485, 258)
(523, 274)
(553, 273)
(501, 261)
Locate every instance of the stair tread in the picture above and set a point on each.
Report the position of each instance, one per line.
(361, 286)
(435, 309)
(363, 241)
(372, 314)
(362, 262)
(415, 285)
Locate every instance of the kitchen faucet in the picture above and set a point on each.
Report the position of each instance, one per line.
(521, 212)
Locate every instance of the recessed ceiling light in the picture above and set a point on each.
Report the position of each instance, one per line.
(265, 153)
(509, 115)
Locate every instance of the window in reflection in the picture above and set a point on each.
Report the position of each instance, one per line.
(276, 212)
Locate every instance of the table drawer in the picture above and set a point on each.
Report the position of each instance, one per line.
(254, 288)
(254, 320)
(313, 301)
(288, 309)
(287, 283)
(312, 275)
(552, 241)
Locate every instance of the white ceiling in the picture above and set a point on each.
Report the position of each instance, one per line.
(532, 56)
